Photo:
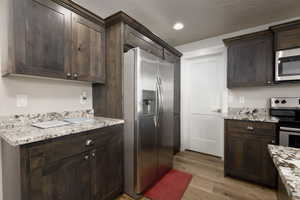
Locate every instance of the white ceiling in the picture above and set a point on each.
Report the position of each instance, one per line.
(202, 18)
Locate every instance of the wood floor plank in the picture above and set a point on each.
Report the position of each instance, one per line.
(209, 183)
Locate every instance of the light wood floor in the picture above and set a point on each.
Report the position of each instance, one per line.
(209, 183)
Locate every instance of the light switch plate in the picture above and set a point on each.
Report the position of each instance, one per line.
(22, 101)
(83, 98)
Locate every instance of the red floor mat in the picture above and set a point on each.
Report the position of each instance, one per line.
(171, 187)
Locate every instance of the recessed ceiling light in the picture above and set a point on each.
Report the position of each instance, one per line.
(178, 26)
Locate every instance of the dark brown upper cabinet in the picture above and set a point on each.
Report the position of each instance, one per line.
(42, 39)
(134, 39)
(88, 59)
(250, 60)
(287, 36)
(123, 33)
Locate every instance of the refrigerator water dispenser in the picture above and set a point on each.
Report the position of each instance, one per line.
(149, 102)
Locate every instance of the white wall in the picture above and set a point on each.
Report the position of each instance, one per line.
(253, 97)
(43, 95)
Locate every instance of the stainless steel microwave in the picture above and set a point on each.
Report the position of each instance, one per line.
(287, 65)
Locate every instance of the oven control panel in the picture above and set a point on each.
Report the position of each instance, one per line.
(285, 102)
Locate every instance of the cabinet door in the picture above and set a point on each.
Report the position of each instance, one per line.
(250, 62)
(247, 157)
(282, 193)
(42, 38)
(269, 172)
(287, 37)
(107, 169)
(234, 155)
(88, 60)
(259, 165)
(68, 179)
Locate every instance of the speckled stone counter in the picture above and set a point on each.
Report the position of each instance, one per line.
(17, 130)
(246, 114)
(251, 118)
(287, 162)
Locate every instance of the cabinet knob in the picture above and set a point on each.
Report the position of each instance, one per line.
(86, 157)
(89, 142)
(93, 154)
(250, 128)
(269, 82)
(75, 75)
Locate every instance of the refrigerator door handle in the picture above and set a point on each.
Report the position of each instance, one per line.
(160, 94)
(157, 104)
(157, 101)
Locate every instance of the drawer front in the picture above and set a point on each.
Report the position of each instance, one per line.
(135, 39)
(253, 128)
(60, 148)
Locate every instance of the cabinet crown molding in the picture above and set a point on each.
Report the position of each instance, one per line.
(123, 17)
(254, 35)
(285, 26)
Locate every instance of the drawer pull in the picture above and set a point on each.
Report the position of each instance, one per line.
(89, 143)
(250, 128)
(75, 75)
(86, 157)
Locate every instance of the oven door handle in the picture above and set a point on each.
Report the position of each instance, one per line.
(290, 129)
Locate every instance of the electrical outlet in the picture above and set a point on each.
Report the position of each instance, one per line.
(22, 101)
(83, 98)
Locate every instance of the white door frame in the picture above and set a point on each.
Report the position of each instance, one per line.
(185, 93)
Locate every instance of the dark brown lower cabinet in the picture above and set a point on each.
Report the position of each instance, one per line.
(63, 180)
(246, 151)
(107, 171)
(281, 192)
(66, 168)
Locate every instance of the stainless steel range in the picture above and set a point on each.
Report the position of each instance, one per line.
(287, 109)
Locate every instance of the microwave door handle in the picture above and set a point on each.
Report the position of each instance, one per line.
(297, 130)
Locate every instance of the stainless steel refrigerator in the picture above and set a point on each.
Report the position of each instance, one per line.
(148, 111)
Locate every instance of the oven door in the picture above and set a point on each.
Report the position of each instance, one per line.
(287, 65)
(289, 137)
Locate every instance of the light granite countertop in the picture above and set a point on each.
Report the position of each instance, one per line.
(17, 130)
(287, 162)
(251, 118)
(250, 114)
